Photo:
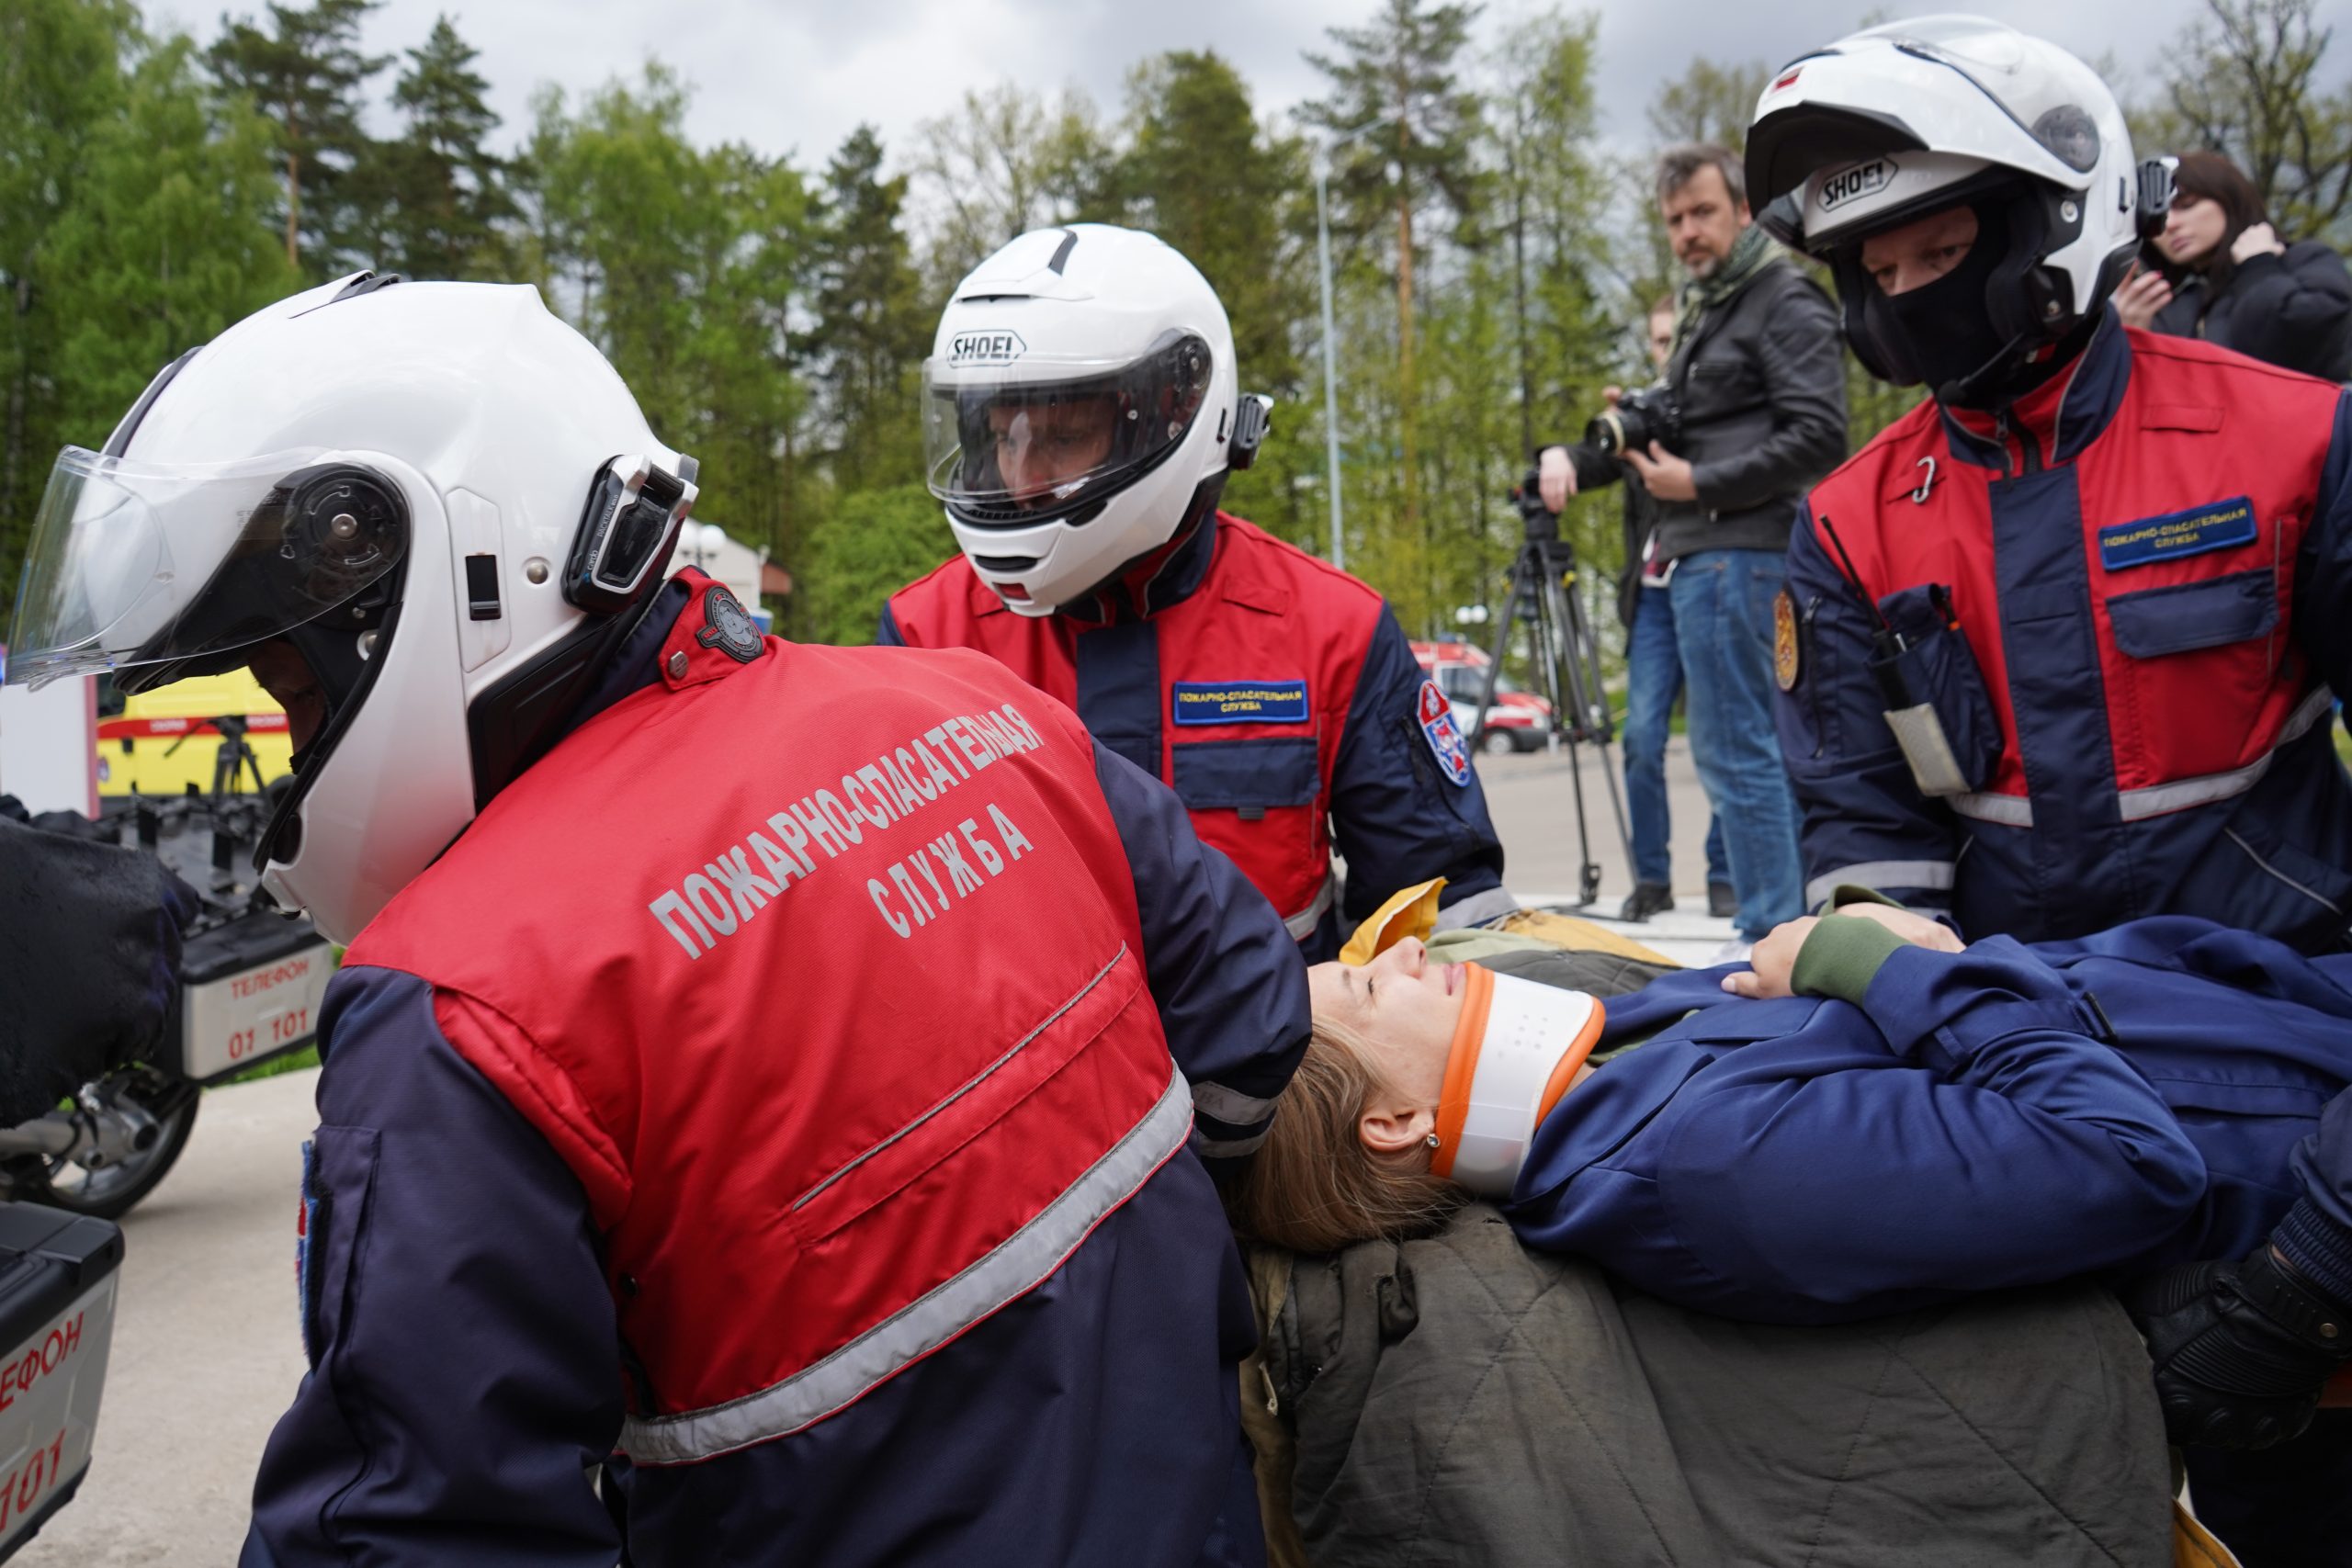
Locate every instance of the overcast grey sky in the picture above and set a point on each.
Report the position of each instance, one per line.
(800, 75)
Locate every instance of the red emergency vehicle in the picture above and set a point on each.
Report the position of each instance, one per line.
(1519, 720)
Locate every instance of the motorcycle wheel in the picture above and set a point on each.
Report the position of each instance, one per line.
(112, 1190)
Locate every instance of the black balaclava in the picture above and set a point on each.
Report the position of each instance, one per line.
(1947, 326)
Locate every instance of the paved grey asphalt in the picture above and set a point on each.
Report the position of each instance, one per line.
(206, 1350)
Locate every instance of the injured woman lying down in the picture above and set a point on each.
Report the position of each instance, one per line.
(1869, 1121)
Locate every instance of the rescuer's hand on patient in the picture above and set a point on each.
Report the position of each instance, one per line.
(1916, 930)
(1556, 478)
(1772, 962)
(2241, 1349)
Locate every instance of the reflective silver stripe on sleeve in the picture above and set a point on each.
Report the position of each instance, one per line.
(1229, 1105)
(1477, 909)
(1017, 1265)
(1227, 1149)
(2009, 810)
(2155, 800)
(1881, 874)
(1302, 925)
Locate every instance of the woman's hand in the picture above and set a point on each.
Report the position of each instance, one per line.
(2259, 239)
(2143, 294)
(1772, 962)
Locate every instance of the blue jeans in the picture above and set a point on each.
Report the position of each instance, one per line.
(1722, 625)
(1653, 679)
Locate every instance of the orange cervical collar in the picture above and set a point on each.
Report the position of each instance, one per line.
(1513, 1042)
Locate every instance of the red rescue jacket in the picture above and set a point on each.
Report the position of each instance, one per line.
(1278, 697)
(811, 926)
(2125, 599)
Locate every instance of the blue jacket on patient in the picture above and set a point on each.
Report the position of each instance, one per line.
(2011, 1114)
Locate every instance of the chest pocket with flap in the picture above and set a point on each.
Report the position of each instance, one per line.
(1248, 776)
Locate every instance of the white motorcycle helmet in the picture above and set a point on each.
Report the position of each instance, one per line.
(427, 511)
(1079, 409)
(1899, 121)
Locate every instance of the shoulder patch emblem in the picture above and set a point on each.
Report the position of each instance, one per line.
(1436, 716)
(1786, 656)
(728, 626)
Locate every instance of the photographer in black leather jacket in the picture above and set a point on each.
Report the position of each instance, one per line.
(1757, 376)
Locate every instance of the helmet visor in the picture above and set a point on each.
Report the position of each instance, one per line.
(1036, 435)
(133, 564)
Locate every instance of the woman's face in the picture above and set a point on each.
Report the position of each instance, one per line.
(1401, 1005)
(2193, 230)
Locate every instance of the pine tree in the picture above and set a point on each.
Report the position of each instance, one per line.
(1204, 174)
(873, 320)
(448, 206)
(307, 73)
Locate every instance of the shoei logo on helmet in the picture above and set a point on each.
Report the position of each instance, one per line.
(1859, 180)
(985, 348)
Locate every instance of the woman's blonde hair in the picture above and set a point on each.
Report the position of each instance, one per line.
(1313, 1185)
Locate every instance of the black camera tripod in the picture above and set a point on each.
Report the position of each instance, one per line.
(1543, 594)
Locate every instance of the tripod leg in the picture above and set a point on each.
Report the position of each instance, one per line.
(1585, 660)
(1559, 672)
(1518, 587)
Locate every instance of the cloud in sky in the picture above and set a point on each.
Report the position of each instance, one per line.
(800, 75)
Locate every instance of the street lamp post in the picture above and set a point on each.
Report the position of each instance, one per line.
(1330, 370)
(1330, 376)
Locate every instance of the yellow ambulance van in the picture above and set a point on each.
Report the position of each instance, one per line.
(160, 742)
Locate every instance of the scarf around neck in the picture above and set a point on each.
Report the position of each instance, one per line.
(1750, 254)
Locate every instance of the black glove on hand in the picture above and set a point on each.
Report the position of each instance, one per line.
(2241, 1349)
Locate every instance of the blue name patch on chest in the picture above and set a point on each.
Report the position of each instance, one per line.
(2217, 526)
(1238, 702)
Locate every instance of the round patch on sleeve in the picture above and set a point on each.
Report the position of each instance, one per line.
(1785, 652)
(1436, 716)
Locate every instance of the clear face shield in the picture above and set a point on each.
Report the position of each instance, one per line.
(1013, 437)
(158, 571)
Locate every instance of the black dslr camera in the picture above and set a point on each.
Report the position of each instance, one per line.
(1638, 418)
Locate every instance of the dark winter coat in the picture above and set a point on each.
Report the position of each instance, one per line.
(2293, 309)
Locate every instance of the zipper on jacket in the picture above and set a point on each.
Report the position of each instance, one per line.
(2028, 449)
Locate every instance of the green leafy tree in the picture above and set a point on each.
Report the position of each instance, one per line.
(875, 543)
(60, 84)
(873, 320)
(306, 71)
(2244, 80)
(445, 208)
(1712, 101)
(166, 244)
(134, 208)
(684, 266)
(1398, 82)
(1006, 161)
